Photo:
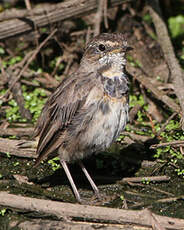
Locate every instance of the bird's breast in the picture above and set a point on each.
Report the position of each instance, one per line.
(115, 84)
(109, 119)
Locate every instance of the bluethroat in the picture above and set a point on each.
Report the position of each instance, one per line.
(89, 109)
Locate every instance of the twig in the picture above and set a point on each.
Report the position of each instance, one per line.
(136, 137)
(18, 96)
(85, 212)
(138, 74)
(105, 14)
(27, 64)
(156, 225)
(29, 8)
(98, 17)
(133, 112)
(101, 12)
(28, 4)
(165, 124)
(150, 196)
(148, 164)
(141, 179)
(21, 63)
(181, 150)
(41, 223)
(161, 191)
(151, 188)
(88, 34)
(170, 199)
(172, 143)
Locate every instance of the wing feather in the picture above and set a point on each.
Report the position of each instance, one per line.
(59, 111)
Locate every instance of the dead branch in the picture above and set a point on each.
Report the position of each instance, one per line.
(18, 96)
(13, 147)
(148, 164)
(98, 17)
(165, 124)
(136, 137)
(68, 225)
(171, 143)
(141, 179)
(48, 15)
(165, 42)
(170, 199)
(153, 111)
(133, 112)
(151, 187)
(18, 132)
(138, 74)
(155, 222)
(105, 14)
(146, 51)
(87, 213)
(101, 12)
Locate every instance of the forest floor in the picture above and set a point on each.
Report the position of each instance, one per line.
(142, 170)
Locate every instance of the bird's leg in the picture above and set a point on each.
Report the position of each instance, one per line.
(65, 167)
(92, 183)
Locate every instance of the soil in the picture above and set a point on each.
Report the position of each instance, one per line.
(107, 169)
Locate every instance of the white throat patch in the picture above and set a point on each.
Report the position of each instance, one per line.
(117, 60)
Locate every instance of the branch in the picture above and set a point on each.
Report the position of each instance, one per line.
(86, 212)
(18, 96)
(18, 132)
(171, 143)
(48, 15)
(140, 179)
(165, 42)
(160, 95)
(20, 148)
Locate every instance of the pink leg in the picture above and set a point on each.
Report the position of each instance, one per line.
(65, 167)
(93, 185)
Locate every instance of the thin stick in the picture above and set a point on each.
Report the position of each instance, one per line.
(98, 17)
(165, 124)
(141, 179)
(172, 143)
(28, 4)
(105, 14)
(140, 76)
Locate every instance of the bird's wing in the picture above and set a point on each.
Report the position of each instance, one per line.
(59, 110)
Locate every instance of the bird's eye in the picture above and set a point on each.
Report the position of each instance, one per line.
(101, 47)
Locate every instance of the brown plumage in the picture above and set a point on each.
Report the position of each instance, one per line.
(89, 109)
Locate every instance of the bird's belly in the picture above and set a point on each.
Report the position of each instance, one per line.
(96, 131)
(105, 127)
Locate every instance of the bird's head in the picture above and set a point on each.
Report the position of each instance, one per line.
(105, 50)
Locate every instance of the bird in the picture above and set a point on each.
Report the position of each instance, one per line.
(89, 109)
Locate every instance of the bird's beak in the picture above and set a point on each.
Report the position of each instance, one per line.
(128, 48)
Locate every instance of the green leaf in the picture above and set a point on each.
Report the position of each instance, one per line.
(2, 51)
(176, 26)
